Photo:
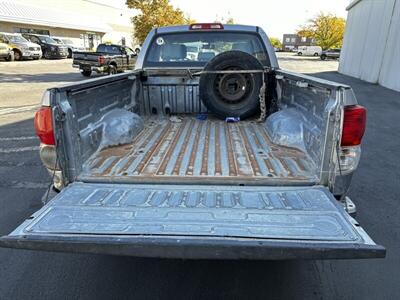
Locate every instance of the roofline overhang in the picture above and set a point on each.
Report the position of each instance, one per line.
(52, 24)
(352, 4)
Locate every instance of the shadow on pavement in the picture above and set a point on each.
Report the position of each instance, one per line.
(44, 77)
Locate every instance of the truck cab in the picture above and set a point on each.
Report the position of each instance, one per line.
(108, 59)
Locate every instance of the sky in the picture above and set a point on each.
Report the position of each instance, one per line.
(276, 17)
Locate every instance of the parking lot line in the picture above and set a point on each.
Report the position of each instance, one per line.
(20, 149)
(19, 138)
(11, 110)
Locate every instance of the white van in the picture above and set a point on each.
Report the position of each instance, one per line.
(309, 50)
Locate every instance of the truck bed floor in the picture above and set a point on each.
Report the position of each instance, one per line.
(211, 151)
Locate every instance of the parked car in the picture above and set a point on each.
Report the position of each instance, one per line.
(331, 53)
(108, 58)
(50, 48)
(309, 50)
(230, 158)
(22, 48)
(6, 52)
(72, 47)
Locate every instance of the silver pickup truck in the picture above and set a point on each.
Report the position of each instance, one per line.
(207, 150)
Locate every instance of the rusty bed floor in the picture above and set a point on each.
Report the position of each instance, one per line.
(211, 151)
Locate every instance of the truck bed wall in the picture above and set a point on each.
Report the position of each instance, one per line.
(164, 95)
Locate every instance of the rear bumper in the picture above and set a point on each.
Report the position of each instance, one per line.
(57, 55)
(96, 69)
(195, 248)
(32, 54)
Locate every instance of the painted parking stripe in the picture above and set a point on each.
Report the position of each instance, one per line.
(20, 149)
(5, 111)
(18, 138)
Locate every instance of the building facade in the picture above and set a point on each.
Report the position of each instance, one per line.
(86, 22)
(291, 41)
(371, 48)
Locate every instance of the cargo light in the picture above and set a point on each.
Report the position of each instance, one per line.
(354, 123)
(206, 26)
(44, 125)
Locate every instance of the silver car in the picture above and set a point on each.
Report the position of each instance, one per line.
(22, 48)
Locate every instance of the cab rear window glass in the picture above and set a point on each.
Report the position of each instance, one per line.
(109, 49)
(195, 49)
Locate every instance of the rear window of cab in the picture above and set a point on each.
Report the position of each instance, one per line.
(196, 49)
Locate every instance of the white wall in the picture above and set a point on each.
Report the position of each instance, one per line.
(371, 49)
(118, 18)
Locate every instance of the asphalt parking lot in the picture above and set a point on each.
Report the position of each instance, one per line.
(40, 275)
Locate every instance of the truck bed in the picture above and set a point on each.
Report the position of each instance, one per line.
(176, 150)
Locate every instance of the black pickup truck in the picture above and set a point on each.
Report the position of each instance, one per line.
(108, 58)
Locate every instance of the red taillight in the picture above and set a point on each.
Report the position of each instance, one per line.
(44, 125)
(206, 26)
(354, 122)
(101, 59)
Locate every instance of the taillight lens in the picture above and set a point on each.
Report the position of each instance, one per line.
(44, 125)
(101, 60)
(354, 122)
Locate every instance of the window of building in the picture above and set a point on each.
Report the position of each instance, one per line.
(35, 31)
(304, 39)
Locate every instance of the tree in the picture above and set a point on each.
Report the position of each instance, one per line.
(326, 29)
(154, 13)
(276, 43)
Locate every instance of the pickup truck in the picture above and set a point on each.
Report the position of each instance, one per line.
(108, 58)
(218, 155)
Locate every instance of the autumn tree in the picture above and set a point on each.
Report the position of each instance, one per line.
(326, 29)
(152, 14)
(276, 43)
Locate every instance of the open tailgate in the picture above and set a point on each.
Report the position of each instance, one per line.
(181, 221)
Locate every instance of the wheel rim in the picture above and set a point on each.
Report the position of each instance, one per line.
(232, 88)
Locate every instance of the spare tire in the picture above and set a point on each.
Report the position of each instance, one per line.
(234, 94)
